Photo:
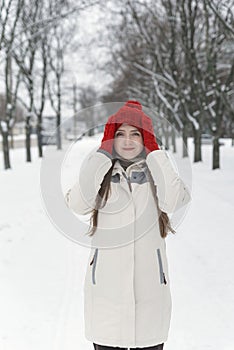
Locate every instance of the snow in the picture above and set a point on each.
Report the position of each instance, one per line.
(42, 272)
(3, 126)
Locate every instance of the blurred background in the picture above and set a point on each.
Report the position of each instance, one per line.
(58, 59)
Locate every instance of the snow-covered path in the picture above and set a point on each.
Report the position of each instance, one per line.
(42, 272)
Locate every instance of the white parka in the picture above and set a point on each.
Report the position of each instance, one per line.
(127, 299)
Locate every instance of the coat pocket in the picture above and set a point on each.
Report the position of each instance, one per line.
(160, 264)
(94, 262)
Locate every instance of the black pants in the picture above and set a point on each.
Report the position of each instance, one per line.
(104, 347)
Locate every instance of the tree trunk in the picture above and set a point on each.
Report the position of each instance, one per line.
(39, 138)
(197, 146)
(59, 141)
(166, 138)
(28, 139)
(173, 139)
(185, 141)
(58, 129)
(5, 146)
(215, 160)
(58, 134)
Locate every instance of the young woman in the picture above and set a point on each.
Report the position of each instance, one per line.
(130, 187)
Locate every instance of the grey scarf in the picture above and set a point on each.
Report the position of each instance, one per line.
(125, 163)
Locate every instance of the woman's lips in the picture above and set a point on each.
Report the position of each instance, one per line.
(128, 149)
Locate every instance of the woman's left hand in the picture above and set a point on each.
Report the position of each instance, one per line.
(150, 141)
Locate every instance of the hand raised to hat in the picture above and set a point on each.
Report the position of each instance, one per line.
(106, 146)
(150, 141)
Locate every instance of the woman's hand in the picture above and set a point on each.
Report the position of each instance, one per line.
(150, 141)
(108, 138)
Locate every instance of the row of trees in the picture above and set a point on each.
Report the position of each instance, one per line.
(175, 56)
(34, 37)
(178, 55)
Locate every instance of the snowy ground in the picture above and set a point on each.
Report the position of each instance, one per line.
(42, 272)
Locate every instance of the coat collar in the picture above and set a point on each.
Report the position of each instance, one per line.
(137, 166)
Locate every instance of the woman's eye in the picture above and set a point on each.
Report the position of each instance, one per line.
(122, 134)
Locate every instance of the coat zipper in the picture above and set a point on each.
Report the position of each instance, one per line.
(94, 262)
(130, 188)
(162, 274)
(128, 181)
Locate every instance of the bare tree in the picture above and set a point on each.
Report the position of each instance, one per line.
(25, 57)
(40, 101)
(9, 16)
(175, 53)
(61, 39)
(58, 41)
(142, 46)
(39, 22)
(219, 75)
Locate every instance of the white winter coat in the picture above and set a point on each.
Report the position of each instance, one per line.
(127, 299)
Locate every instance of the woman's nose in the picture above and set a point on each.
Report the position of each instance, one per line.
(127, 140)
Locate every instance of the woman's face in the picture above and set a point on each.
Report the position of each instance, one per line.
(128, 141)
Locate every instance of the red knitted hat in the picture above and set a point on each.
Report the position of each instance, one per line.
(130, 113)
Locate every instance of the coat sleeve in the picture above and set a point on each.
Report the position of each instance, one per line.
(81, 196)
(172, 193)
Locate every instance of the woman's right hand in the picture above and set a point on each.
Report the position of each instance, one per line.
(150, 141)
(106, 146)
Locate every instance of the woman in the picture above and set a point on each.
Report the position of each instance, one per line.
(129, 186)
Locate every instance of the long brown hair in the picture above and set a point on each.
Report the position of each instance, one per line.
(103, 194)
